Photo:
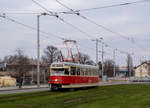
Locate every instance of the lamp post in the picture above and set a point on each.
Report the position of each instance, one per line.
(38, 48)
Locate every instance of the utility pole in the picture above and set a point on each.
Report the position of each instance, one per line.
(97, 41)
(96, 51)
(102, 60)
(38, 51)
(114, 57)
(38, 48)
(129, 64)
(96, 59)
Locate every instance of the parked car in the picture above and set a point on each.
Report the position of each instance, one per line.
(142, 79)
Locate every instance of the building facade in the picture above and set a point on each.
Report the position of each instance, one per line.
(29, 77)
(142, 70)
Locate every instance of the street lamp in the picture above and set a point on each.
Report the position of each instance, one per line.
(38, 48)
(38, 45)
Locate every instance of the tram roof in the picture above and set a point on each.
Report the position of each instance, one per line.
(75, 64)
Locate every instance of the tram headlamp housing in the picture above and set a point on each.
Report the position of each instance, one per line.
(56, 80)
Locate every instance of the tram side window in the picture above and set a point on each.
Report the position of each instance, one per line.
(81, 71)
(96, 72)
(73, 71)
(78, 71)
(90, 72)
(93, 72)
(57, 71)
(66, 72)
(86, 71)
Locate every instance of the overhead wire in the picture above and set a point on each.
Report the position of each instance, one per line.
(32, 13)
(78, 15)
(88, 20)
(61, 19)
(101, 26)
(115, 5)
(45, 34)
(91, 21)
(87, 47)
(121, 4)
(43, 7)
(66, 22)
(28, 26)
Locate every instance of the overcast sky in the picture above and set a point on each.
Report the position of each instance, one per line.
(133, 21)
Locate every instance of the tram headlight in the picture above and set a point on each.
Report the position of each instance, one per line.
(56, 80)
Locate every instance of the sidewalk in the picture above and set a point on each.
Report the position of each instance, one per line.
(120, 83)
(23, 87)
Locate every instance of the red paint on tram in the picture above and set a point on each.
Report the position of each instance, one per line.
(73, 80)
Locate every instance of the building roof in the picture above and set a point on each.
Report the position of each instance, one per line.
(3, 73)
(142, 64)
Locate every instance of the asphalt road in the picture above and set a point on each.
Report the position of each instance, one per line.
(2, 92)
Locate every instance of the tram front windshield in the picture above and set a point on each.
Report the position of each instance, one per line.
(60, 71)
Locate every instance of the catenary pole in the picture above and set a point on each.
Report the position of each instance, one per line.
(114, 57)
(38, 48)
(96, 51)
(102, 60)
(38, 51)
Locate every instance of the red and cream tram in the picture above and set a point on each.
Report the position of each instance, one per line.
(73, 75)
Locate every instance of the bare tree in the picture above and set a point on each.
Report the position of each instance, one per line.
(20, 62)
(108, 68)
(51, 54)
(85, 59)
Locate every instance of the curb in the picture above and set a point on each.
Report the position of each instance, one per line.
(22, 89)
